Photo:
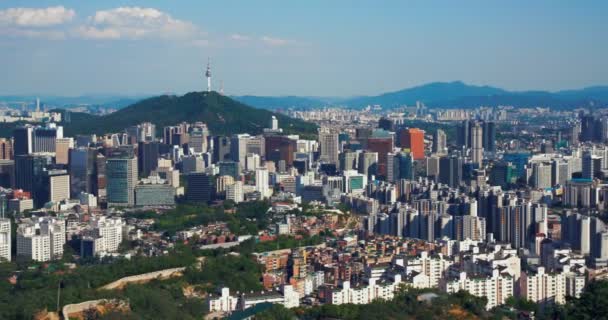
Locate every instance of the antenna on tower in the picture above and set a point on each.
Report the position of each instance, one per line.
(208, 75)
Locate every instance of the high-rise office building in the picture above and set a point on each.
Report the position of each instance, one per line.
(23, 143)
(147, 155)
(7, 173)
(176, 135)
(85, 140)
(192, 163)
(140, 133)
(450, 170)
(432, 166)
(102, 180)
(252, 162)
(591, 128)
(592, 165)
(5, 239)
(440, 142)
(413, 139)
(229, 168)
(368, 163)
(30, 171)
(62, 150)
(238, 148)
(83, 171)
(200, 187)
(44, 138)
(198, 138)
(255, 144)
(279, 148)
(400, 166)
(501, 174)
(330, 148)
(463, 134)
(121, 176)
(221, 148)
(382, 146)
(560, 172)
(575, 133)
(541, 175)
(489, 136)
(477, 144)
(6, 149)
(169, 135)
(362, 134)
(348, 160)
(56, 187)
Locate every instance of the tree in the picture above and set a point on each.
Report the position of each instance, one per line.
(276, 312)
(593, 303)
(521, 304)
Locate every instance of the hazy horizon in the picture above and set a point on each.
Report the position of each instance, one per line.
(151, 94)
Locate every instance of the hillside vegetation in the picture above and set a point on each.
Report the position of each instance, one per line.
(222, 115)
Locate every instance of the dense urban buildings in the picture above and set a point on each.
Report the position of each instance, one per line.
(427, 199)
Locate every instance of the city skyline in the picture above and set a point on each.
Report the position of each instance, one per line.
(317, 160)
(276, 49)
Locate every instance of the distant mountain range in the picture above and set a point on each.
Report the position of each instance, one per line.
(108, 101)
(222, 115)
(455, 94)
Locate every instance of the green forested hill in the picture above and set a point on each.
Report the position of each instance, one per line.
(222, 115)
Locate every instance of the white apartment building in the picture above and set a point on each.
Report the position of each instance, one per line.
(41, 239)
(544, 287)
(433, 269)
(227, 303)
(234, 192)
(223, 303)
(261, 182)
(5, 239)
(364, 294)
(496, 288)
(502, 257)
(252, 161)
(110, 231)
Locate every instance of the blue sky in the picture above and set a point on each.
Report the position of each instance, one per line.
(323, 48)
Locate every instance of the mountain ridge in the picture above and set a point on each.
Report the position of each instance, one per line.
(222, 115)
(454, 94)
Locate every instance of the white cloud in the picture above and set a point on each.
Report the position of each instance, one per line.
(136, 23)
(239, 37)
(277, 42)
(36, 17)
(90, 32)
(33, 33)
(131, 23)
